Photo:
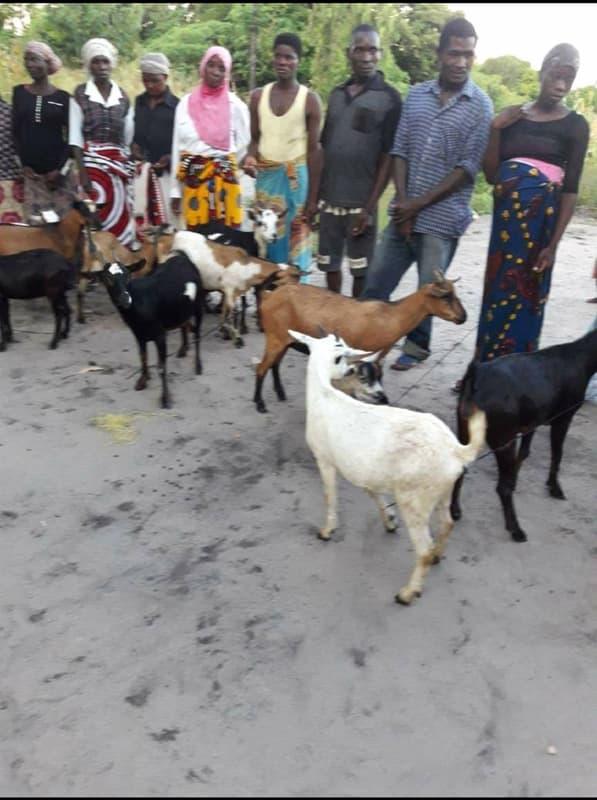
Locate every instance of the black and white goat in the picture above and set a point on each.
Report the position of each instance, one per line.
(35, 273)
(170, 297)
(518, 393)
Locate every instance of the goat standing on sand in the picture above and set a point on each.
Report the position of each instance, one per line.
(382, 449)
(229, 270)
(168, 298)
(519, 392)
(373, 325)
(35, 273)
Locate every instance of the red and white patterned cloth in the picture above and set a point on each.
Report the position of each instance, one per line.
(111, 171)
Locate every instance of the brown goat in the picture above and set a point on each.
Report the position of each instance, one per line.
(62, 237)
(371, 325)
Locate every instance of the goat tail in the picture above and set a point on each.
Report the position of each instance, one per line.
(477, 428)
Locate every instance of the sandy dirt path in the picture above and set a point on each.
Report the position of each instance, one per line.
(171, 626)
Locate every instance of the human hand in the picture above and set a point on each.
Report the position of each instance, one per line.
(175, 206)
(405, 229)
(545, 259)
(508, 116)
(53, 178)
(162, 164)
(406, 210)
(310, 214)
(29, 173)
(361, 223)
(250, 166)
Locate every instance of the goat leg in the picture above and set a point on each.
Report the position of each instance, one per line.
(184, 345)
(463, 438)
(81, 289)
(559, 429)
(198, 316)
(144, 377)
(67, 315)
(243, 315)
(4, 323)
(160, 344)
(388, 519)
(418, 530)
(508, 473)
(278, 388)
(58, 310)
(328, 476)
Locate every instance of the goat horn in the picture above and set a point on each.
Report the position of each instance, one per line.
(322, 332)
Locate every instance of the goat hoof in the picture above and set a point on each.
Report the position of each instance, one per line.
(519, 536)
(81, 320)
(198, 370)
(405, 597)
(556, 491)
(261, 407)
(141, 384)
(2, 347)
(392, 526)
(239, 342)
(244, 329)
(325, 537)
(52, 345)
(166, 403)
(455, 512)
(181, 353)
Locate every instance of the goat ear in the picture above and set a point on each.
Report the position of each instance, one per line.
(251, 214)
(372, 357)
(300, 337)
(137, 265)
(322, 332)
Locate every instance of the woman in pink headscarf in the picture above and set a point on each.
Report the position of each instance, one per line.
(40, 131)
(211, 135)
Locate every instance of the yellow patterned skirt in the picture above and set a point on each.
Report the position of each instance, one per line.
(211, 190)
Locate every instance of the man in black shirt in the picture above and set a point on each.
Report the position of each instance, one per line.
(152, 141)
(357, 137)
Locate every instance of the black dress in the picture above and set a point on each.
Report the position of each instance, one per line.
(40, 129)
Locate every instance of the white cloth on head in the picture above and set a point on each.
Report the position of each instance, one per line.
(99, 47)
(155, 64)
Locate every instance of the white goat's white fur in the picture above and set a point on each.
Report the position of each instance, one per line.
(413, 456)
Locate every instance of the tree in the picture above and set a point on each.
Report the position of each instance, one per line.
(67, 27)
(418, 27)
(520, 78)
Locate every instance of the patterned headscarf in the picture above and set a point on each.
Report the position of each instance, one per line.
(44, 51)
(99, 47)
(154, 64)
(562, 55)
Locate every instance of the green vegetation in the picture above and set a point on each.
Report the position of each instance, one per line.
(183, 31)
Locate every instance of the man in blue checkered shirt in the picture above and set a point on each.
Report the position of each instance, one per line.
(438, 150)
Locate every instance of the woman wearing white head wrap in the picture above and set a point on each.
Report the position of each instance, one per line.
(101, 130)
(152, 142)
(40, 131)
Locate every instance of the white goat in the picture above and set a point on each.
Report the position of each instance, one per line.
(382, 449)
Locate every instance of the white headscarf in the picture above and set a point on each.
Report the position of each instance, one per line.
(99, 47)
(155, 64)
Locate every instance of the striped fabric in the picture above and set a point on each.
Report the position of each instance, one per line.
(436, 139)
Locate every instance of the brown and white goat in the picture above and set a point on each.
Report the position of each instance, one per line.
(372, 325)
(231, 271)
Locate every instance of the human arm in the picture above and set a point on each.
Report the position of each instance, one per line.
(242, 128)
(575, 160)
(75, 140)
(175, 191)
(506, 117)
(250, 162)
(314, 154)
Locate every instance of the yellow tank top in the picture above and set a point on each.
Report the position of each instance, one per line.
(283, 138)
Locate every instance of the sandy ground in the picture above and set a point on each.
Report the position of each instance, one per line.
(170, 624)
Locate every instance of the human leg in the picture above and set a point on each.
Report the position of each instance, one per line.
(393, 256)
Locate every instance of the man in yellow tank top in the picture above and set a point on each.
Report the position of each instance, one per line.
(284, 154)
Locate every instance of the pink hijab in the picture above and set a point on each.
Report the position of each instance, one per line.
(210, 108)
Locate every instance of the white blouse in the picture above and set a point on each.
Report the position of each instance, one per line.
(186, 138)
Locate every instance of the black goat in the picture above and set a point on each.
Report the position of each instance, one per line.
(519, 393)
(35, 273)
(168, 298)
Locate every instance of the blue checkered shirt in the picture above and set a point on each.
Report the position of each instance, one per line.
(434, 140)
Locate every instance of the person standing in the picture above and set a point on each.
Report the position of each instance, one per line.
(100, 131)
(11, 182)
(40, 115)
(284, 153)
(211, 134)
(152, 142)
(439, 145)
(534, 160)
(360, 125)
